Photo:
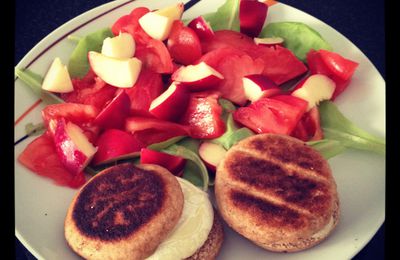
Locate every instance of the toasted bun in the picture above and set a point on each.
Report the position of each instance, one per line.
(212, 246)
(124, 212)
(278, 192)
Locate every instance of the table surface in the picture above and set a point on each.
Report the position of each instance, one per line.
(362, 22)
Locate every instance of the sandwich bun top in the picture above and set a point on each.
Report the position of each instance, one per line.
(278, 192)
(124, 212)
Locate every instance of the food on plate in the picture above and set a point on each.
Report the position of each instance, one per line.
(57, 78)
(277, 192)
(142, 212)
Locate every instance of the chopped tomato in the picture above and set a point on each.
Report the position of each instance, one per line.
(280, 64)
(233, 68)
(130, 24)
(309, 126)
(203, 116)
(278, 114)
(213, 57)
(183, 44)
(148, 86)
(334, 66)
(172, 163)
(40, 156)
(90, 90)
(152, 130)
(155, 56)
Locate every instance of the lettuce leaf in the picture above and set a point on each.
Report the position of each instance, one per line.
(195, 171)
(328, 148)
(226, 17)
(78, 65)
(299, 37)
(337, 127)
(34, 82)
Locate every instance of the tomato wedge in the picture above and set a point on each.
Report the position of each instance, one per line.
(183, 44)
(309, 126)
(203, 116)
(152, 130)
(278, 114)
(333, 65)
(155, 56)
(148, 86)
(40, 156)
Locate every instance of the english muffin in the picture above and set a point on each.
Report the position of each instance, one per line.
(278, 192)
(124, 212)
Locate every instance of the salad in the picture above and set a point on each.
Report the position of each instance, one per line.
(220, 113)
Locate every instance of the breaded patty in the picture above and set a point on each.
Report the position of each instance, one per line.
(278, 192)
(124, 212)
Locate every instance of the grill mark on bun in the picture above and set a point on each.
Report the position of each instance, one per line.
(305, 160)
(115, 205)
(264, 211)
(275, 179)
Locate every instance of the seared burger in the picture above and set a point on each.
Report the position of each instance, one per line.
(278, 192)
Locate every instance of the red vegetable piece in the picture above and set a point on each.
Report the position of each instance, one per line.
(183, 44)
(309, 126)
(174, 164)
(252, 15)
(114, 144)
(334, 66)
(201, 27)
(155, 56)
(40, 157)
(148, 86)
(278, 114)
(152, 130)
(203, 116)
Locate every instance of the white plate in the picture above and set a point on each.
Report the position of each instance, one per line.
(40, 206)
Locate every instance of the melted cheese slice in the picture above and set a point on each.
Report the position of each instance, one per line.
(193, 227)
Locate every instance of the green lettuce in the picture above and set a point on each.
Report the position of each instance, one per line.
(299, 37)
(34, 82)
(78, 65)
(226, 17)
(337, 127)
(328, 148)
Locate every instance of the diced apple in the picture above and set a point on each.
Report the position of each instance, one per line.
(269, 41)
(171, 104)
(115, 144)
(314, 89)
(57, 78)
(257, 86)
(197, 77)
(201, 28)
(211, 154)
(121, 46)
(72, 146)
(174, 164)
(114, 113)
(252, 15)
(173, 11)
(158, 24)
(121, 73)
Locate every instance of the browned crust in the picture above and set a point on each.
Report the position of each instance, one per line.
(210, 249)
(276, 191)
(135, 231)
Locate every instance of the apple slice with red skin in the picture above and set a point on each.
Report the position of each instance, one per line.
(258, 86)
(201, 27)
(115, 144)
(211, 154)
(114, 113)
(252, 15)
(197, 77)
(269, 41)
(72, 146)
(314, 89)
(174, 164)
(171, 104)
